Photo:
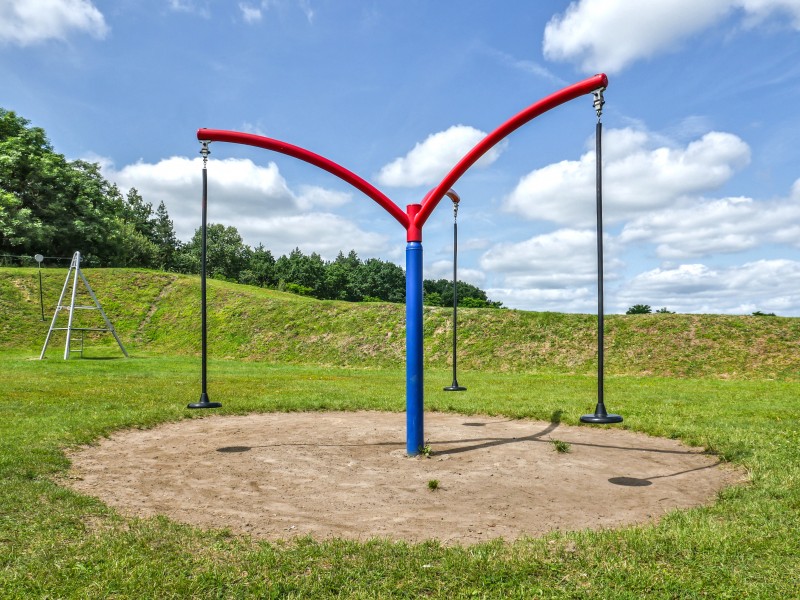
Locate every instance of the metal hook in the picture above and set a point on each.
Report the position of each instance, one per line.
(456, 199)
(599, 101)
(204, 151)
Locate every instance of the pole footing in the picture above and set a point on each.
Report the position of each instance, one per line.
(600, 416)
(455, 388)
(599, 419)
(204, 403)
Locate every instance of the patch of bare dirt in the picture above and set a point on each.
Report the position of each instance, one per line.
(347, 475)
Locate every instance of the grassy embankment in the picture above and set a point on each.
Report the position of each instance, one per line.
(158, 314)
(729, 384)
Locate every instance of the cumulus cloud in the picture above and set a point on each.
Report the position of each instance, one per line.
(311, 197)
(238, 189)
(638, 176)
(705, 227)
(574, 300)
(550, 268)
(429, 161)
(26, 22)
(768, 285)
(324, 233)
(765, 285)
(589, 31)
(547, 260)
(255, 199)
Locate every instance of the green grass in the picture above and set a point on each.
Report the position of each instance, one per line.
(55, 543)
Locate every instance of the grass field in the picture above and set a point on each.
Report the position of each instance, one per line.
(55, 543)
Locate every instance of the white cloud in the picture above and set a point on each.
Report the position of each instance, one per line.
(250, 14)
(761, 10)
(706, 227)
(311, 197)
(26, 22)
(236, 187)
(254, 12)
(432, 159)
(609, 35)
(324, 233)
(566, 253)
(767, 285)
(551, 265)
(574, 300)
(198, 8)
(254, 199)
(637, 177)
(184, 6)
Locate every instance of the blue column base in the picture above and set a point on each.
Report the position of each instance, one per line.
(415, 408)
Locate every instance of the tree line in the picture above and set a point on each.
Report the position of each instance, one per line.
(52, 206)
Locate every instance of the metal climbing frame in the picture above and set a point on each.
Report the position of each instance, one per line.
(75, 266)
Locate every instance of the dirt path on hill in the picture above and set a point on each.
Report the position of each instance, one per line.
(346, 475)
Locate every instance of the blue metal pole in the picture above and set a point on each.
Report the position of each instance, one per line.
(415, 410)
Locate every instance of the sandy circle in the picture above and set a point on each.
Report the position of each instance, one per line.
(346, 475)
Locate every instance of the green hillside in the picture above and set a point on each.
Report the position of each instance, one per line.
(159, 314)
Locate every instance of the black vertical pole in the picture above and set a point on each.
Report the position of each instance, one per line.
(204, 402)
(454, 387)
(600, 272)
(600, 414)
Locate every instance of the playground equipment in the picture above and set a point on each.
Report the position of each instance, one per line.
(412, 221)
(75, 272)
(204, 402)
(600, 414)
(454, 387)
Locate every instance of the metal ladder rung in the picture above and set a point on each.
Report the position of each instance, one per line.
(80, 342)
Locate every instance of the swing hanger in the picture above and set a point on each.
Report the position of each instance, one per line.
(599, 101)
(205, 151)
(456, 199)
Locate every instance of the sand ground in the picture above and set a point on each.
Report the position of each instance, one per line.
(347, 475)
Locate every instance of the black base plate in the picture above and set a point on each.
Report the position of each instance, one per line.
(455, 388)
(204, 402)
(599, 419)
(204, 405)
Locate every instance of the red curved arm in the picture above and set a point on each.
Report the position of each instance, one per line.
(534, 110)
(417, 213)
(249, 139)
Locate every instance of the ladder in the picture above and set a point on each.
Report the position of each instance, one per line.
(75, 266)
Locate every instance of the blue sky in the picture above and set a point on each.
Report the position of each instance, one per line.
(701, 141)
